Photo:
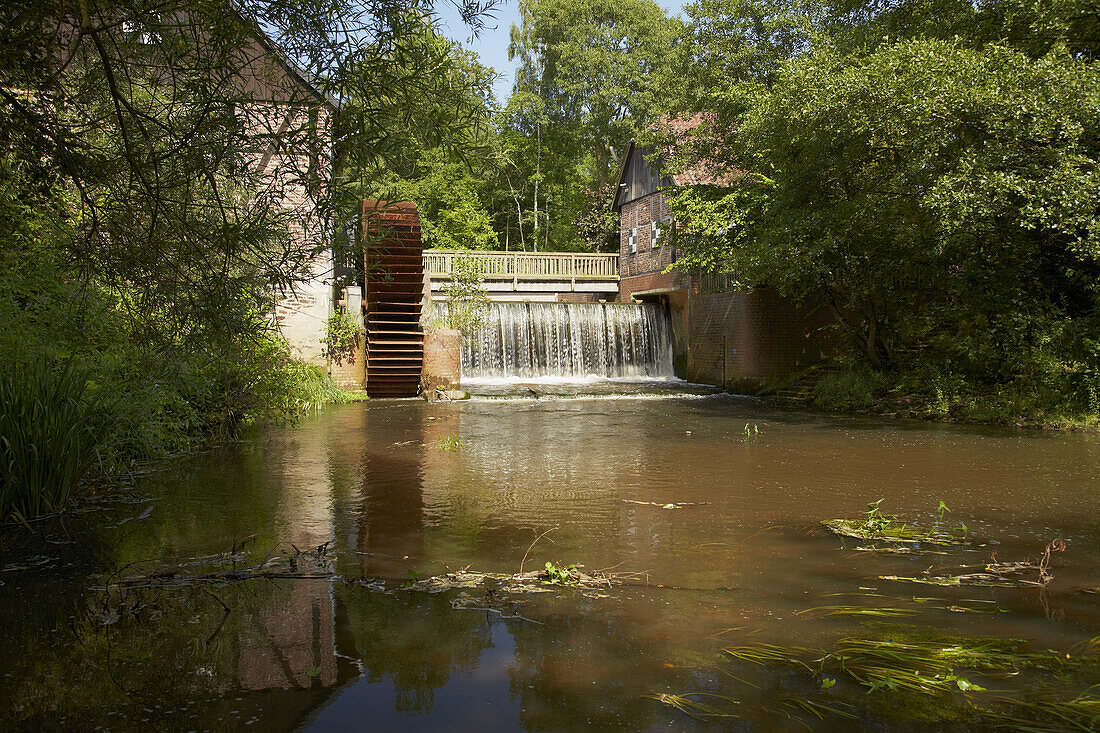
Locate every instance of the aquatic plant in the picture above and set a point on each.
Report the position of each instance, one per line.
(855, 611)
(560, 574)
(534, 581)
(666, 505)
(52, 421)
(878, 526)
(817, 709)
(941, 669)
(687, 704)
(450, 442)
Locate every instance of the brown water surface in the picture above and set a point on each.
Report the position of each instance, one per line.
(735, 565)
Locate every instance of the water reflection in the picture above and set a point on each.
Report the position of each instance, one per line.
(291, 643)
(380, 488)
(391, 505)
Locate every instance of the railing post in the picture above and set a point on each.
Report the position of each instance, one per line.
(573, 272)
(515, 271)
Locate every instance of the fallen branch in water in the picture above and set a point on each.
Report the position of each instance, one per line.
(994, 574)
(668, 505)
(532, 545)
(309, 564)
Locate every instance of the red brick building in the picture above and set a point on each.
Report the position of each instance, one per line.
(734, 339)
(291, 121)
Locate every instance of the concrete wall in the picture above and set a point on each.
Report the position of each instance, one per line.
(302, 316)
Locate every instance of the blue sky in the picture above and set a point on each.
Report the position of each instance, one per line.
(492, 44)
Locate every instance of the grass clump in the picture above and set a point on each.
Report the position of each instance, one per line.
(52, 423)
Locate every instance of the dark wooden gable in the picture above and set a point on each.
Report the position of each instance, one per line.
(636, 178)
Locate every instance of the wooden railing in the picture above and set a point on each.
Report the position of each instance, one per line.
(515, 266)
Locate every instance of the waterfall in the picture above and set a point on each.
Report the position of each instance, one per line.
(569, 341)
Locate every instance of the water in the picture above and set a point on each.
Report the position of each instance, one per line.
(569, 341)
(737, 566)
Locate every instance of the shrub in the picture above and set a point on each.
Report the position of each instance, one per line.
(467, 297)
(341, 337)
(854, 389)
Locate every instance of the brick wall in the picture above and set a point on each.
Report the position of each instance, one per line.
(628, 286)
(442, 359)
(735, 340)
(678, 316)
(292, 128)
(582, 297)
(351, 373)
(742, 340)
(649, 256)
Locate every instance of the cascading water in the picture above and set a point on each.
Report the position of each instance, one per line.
(569, 341)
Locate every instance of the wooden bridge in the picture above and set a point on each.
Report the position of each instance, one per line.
(529, 275)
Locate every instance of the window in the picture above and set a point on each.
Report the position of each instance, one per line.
(655, 233)
(633, 242)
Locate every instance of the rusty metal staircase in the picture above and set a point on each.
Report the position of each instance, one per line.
(394, 277)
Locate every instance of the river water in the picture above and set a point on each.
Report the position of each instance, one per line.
(393, 497)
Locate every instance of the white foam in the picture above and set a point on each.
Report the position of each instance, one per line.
(588, 380)
(614, 396)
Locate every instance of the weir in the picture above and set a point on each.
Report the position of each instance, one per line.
(569, 341)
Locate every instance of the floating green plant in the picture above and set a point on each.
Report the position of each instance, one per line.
(534, 581)
(686, 704)
(1080, 713)
(819, 710)
(950, 674)
(450, 442)
(856, 611)
(666, 505)
(560, 574)
(878, 526)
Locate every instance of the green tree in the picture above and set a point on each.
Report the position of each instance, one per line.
(594, 63)
(141, 239)
(932, 195)
(438, 149)
(588, 78)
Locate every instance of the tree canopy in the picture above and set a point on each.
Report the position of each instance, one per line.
(144, 235)
(929, 172)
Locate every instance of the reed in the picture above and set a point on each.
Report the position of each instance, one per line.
(51, 425)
